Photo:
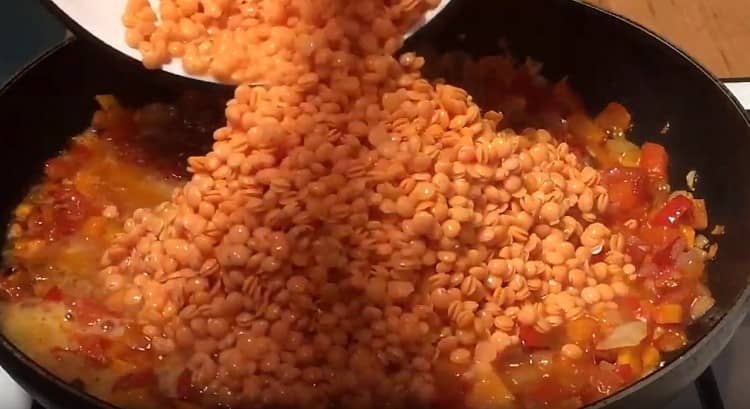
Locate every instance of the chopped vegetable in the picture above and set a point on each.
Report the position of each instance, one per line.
(630, 357)
(699, 214)
(585, 130)
(700, 306)
(489, 391)
(650, 357)
(627, 153)
(626, 335)
(691, 179)
(672, 211)
(654, 159)
(668, 314)
(671, 340)
(582, 330)
(627, 188)
(614, 117)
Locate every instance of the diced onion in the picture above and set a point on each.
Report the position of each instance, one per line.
(626, 335)
(701, 305)
(691, 179)
(627, 153)
(690, 262)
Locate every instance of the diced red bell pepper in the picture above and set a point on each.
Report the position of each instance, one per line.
(532, 339)
(672, 211)
(654, 159)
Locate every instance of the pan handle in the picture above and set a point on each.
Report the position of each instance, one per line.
(740, 88)
(14, 397)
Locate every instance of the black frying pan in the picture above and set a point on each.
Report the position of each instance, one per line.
(606, 58)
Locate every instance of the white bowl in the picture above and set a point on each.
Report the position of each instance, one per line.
(103, 19)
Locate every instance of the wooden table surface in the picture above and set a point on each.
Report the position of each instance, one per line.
(715, 32)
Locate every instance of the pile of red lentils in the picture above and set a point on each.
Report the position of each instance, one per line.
(353, 222)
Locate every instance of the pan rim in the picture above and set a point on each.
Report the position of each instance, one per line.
(726, 324)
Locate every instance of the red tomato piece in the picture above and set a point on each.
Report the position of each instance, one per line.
(606, 381)
(55, 294)
(664, 256)
(629, 304)
(88, 312)
(135, 380)
(627, 187)
(659, 237)
(636, 250)
(93, 348)
(549, 392)
(672, 211)
(625, 372)
(654, 159)
(533, 339)
(185, 388)
(681, 294)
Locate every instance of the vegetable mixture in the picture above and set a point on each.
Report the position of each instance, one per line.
(352, 234)
(602, 324)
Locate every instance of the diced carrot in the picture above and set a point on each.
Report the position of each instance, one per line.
(650, 357)
(689, 234)
(581, 331)
(632, 358)
(699, 214)
(654, 159)
(668, 314)
(585, 130)
(613, 117)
